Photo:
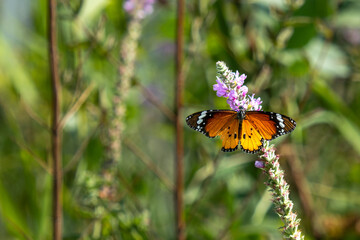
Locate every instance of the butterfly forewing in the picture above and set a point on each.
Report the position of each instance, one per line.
(269, 124)
(211, 122)
(261, 122)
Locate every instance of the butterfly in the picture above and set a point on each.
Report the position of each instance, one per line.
(250, 128)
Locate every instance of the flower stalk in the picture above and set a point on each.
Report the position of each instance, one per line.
(231, 86)
(137, 10)
(279, 189)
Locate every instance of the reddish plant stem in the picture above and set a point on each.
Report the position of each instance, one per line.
(179, 152)
(55, 129)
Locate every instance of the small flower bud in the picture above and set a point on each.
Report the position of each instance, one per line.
(259, 164)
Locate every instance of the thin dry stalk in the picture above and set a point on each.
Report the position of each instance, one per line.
(179, 152)
(56, 133)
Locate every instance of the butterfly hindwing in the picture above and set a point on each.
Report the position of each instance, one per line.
(212, 123)
(230, 135)
(251, 140)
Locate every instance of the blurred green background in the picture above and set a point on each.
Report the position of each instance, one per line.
(301, 57)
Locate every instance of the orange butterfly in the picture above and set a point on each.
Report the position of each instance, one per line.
(251, 128)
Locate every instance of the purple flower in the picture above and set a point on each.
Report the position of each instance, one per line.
(233, 100)
(240, 80)
(243, 91)
(259, 164)
(231, 85)
(255, 103)
(129, 6)
(139, 8)
(148, 6)
(220, 88)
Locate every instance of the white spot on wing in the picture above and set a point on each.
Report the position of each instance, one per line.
(279, 118)
(202, 115)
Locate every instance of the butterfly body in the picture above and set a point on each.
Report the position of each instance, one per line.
(250, 128)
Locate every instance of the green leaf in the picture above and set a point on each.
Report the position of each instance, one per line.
(14, 73)
(327, 59)
(11, 215)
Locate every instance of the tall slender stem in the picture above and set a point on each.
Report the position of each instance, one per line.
(179, 165)
(55, 129)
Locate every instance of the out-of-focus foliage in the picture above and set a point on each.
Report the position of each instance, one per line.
(301, 57)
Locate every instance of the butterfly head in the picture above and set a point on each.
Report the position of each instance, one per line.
(241, 112)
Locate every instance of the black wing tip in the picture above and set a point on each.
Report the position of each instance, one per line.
(280, 131)
(279, 134)
(294, 123)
